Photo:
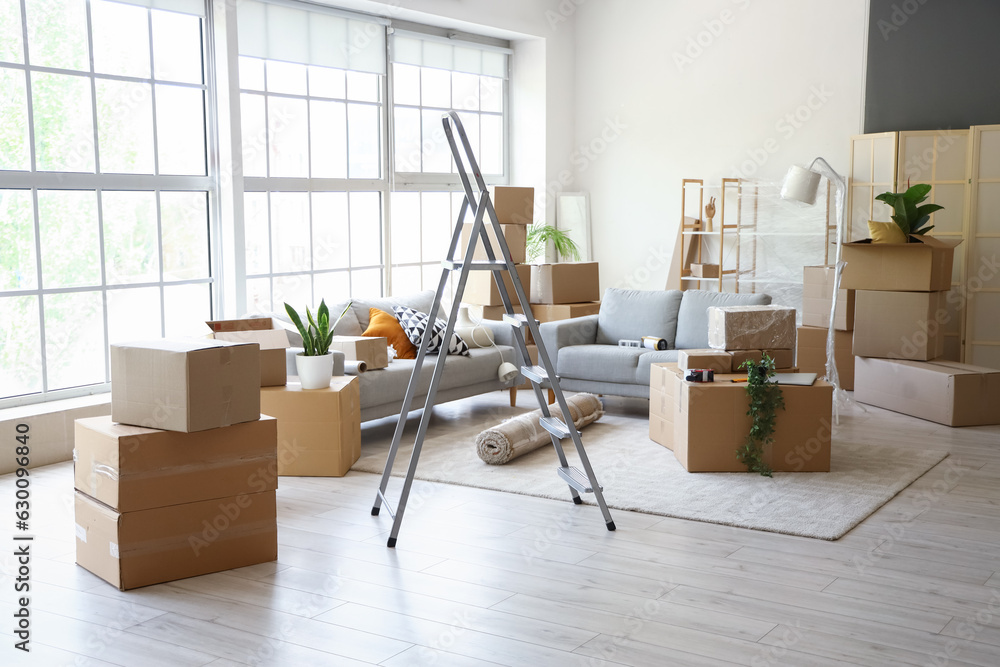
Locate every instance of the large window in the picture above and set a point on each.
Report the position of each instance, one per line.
(104, 185)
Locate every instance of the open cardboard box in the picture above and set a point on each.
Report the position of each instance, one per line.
(925, 266)
(272, 338)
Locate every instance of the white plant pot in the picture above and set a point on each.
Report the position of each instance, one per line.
(314, 372)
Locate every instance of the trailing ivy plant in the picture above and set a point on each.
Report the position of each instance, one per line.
(765, 399)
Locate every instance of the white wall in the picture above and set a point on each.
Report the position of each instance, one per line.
(669, 108)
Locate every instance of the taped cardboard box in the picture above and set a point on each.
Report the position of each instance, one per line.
(817, 297)
(133, 549)
(481, 288)
(373, 350)
(185, 385)
(514, 205)
(661, 431)
(516, 237)
(811, 354)
(544, 312)
(900, 325)
(566, 282)
(273, 341)
(924, 266)
(319, 430)
(946, 392)
(719, 361)
(131, 468)
(751, 327)
(705, 270)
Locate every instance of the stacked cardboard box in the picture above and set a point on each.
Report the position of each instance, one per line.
(514, 208)
(745, 333)
(566, 290)
(180, 480)
(272, 339)
(899, 338)
(817, 298)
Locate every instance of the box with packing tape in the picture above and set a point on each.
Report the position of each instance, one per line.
(924, 265)
(273, 341)
(751, 327)
(185, 384)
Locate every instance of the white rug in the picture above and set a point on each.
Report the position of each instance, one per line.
(638, 474)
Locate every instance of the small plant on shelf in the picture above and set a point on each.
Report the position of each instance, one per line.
(908, 216)
(539, 236)
(765, 399)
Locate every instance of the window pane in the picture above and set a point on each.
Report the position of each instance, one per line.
(491, 141)
(133, 314)
(366, 282)
(295, 290)
(180, 130)
(186, 309)
(290, 231)
(71, 255)
(471, 123)
(407, 139)
(491, 93)
(366, 229)
(464, 91)
(251, 73)
(331, 237)
(11, 47)
(328, 134)
(64, 128)
(406, 84)
(20, 346)
(184, 220)
(253, 119)
(334, 287)
(327, 82)
(131, 251)
(14, 153)
(363, 141)
(436, 152)
(121, 38)
(288, 136)
(256, 234)
(286, 78)
(259, 296)
(57, 33)
(405, 280)
(74, 323)
(125, 126)
(436, 224)
(17, 241)
(435, 88)
(405, 236)
(362, 86)
(177, 52)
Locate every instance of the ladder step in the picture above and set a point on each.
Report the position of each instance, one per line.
(476, 265)
(575, 478)
(555, 426)
(534, 373)
(517, 320)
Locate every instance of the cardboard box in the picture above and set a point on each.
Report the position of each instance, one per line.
(516, 237)
(661, 431)
(373, 350)
(705, 270)
(899, 325)
(811, 354)
(131, 468)
(719, 361)
(134, 549)
(662, 379)
(946, 392)
(567, 282)
(319, 430)
(545, 312)
(481, 289)
(711, 424)
(185, 384)
(783, 358)
(741, 356)
(751, 328)
(899, 267)
(817, 295)
(273, 341)
(513, 205)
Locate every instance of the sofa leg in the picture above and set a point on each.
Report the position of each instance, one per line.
(513, 397)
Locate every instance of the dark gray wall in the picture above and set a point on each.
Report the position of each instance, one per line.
(932, 64)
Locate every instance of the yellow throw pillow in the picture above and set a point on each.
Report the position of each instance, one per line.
(385, 325)
(885, 232)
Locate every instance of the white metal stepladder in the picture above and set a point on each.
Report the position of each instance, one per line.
(584, 481)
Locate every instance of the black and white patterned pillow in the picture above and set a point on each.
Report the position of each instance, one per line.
(414, 323)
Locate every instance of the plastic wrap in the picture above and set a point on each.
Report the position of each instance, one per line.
(751, 327)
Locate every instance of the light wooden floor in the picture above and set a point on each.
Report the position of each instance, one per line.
(483, 578)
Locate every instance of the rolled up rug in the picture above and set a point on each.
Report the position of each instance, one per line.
(522, 434)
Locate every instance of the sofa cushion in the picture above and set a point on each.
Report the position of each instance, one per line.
(414, 323)
(653, 357)
(608, 363)
(632, 314)
(692, 317)
(421, 301)
(381, 323)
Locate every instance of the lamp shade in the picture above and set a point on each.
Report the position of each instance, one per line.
(800, 184)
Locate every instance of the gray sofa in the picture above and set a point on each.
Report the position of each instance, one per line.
(382, 390)
(585, 350)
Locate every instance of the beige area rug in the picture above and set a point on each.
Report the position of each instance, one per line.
(638, 474)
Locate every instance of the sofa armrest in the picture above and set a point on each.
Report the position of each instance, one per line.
(563, 333)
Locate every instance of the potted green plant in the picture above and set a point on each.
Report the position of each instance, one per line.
(539, 236)
(908, 216)
(315, 363)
